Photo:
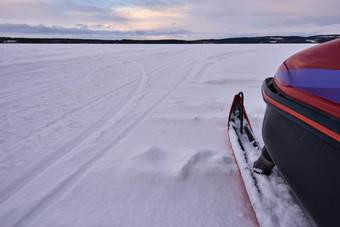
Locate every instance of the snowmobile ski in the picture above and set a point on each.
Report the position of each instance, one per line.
(267, 194)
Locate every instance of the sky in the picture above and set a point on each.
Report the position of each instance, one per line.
(167, 19)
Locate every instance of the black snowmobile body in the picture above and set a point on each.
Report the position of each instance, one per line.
(301, 128)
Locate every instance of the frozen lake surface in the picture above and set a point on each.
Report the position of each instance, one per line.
(127, 135)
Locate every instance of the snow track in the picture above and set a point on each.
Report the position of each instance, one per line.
(67, 115)
(73, 178)
(66, 148)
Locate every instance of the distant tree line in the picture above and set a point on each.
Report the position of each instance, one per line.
(240, 40)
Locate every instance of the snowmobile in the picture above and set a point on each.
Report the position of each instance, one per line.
(301, 135)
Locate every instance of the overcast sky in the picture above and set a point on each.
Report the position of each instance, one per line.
(175, 19)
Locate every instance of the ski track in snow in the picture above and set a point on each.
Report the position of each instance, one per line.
(74, 111)
(74, 177)
(150, 76)
(78, 139)
(66, 148)
(15, 96)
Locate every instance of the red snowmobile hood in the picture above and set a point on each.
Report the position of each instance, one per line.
(312, 76)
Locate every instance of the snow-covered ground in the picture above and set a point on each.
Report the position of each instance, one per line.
(126, 135)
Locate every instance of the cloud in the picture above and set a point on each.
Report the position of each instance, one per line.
(221, 18)
(195, 18)
(111, 4)
(80, 18)
(82, 31)
(63, 13)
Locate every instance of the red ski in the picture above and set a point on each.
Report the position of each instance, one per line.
(268, 195)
